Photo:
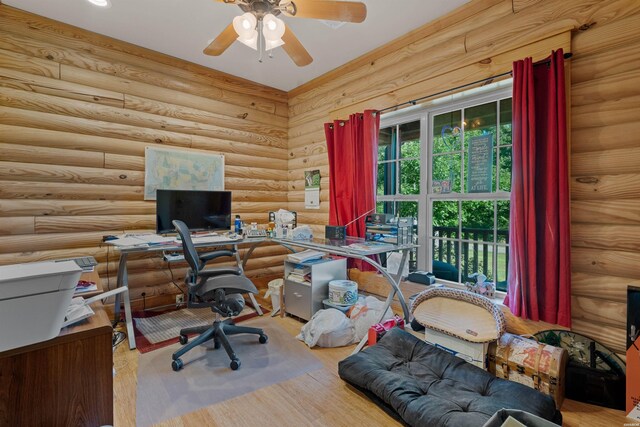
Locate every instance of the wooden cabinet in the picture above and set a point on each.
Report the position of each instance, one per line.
(65, 381)
(303, 299)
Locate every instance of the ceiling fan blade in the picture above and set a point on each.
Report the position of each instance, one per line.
(222, 42)
(346, 11)
(294, 48)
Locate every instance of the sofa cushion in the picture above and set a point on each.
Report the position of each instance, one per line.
(427, 386)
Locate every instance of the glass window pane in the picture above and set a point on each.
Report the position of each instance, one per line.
(410, 140)
(505, 111)
(477, 257)
(410, 176)
(480, 119)
(505, 168)
(447, 132)
(477, 220)
(503, 221)
(446, 173)
(446, 259)
(386, 183)
(502, 252)
(386, 144)
(407, 209)
(444, 217)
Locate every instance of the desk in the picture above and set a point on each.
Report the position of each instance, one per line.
(351, 247)
(123, 280)
(65, 381)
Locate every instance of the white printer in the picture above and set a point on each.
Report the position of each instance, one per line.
(33, 301)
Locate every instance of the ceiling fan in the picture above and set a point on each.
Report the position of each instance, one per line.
(261, 29)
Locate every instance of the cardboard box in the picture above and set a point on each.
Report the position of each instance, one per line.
(474, 353)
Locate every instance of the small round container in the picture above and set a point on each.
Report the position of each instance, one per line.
(343, 292)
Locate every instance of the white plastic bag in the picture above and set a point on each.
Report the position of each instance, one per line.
(327, 328)
(367, 312)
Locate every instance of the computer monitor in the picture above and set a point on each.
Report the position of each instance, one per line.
(200, 210)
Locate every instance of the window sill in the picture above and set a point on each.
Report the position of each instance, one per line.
(498, 296)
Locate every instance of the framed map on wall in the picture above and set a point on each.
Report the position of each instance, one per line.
(169, 169)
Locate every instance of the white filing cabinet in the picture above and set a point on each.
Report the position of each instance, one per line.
(304, 299)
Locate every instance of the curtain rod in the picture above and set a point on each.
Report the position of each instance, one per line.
(415, 101)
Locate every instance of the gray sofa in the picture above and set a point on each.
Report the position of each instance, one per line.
(424, 386)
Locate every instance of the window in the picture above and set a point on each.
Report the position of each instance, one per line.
(449, 166)
(398, 183)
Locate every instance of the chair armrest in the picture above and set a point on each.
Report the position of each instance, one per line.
(208, 256)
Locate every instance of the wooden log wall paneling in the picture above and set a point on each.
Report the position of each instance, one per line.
(479, 40)
(76, 112)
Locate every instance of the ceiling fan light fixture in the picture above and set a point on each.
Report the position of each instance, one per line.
(250, 40)
(272, 44)
(272, 30)
(245, 27)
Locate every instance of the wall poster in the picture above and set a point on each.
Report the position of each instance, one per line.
(480, 164)
(169, 169)
(312, 189)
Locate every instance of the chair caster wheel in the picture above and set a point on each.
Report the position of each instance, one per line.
(183, 339)
(176, 365)
(217, 344)
(263, 339)
(235, 364)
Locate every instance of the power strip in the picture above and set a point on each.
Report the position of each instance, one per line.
(173, 257)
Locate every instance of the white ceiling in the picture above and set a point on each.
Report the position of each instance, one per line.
(184, 28)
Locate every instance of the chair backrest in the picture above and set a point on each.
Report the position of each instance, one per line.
(190, 253)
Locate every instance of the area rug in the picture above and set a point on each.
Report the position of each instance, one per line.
(206, 378)
(153, 330)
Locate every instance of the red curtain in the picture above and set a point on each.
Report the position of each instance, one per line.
(352, 149)
(539, 253)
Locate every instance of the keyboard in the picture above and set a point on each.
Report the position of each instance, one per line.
(256, 233)
(85, 262)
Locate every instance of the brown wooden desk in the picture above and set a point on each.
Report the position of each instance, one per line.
(65, 381)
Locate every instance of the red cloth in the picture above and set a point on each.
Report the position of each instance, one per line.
(352, 149)
(539, 253)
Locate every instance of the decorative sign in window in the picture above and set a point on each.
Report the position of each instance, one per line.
(480, 164)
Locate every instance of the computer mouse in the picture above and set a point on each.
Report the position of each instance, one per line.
(107, 238)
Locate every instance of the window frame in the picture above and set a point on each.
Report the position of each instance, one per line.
(425, 113)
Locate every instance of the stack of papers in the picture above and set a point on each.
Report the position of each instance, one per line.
(78, 310)
(301, 274)
(369, 246)
(304, 256)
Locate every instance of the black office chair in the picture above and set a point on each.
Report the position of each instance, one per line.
(219, 288)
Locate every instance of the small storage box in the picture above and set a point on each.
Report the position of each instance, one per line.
(525, 361)
(472, 352)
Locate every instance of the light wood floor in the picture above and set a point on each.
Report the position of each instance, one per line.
(318, 398)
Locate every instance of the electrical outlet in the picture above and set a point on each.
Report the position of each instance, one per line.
(179, 299)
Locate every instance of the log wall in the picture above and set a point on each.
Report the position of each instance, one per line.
(482, 39)
(76, 112)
